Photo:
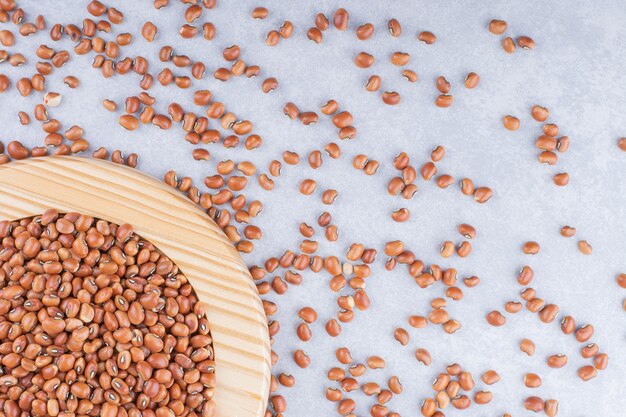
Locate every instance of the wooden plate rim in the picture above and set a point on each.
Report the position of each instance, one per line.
(180, 229)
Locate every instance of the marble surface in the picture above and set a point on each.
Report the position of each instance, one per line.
(577, 71)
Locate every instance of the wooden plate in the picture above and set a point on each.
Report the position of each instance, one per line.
(181, 230)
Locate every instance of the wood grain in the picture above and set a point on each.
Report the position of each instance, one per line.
(185, 234)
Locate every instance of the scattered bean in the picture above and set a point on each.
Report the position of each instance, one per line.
(497, 27)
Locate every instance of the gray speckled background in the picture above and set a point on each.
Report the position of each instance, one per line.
(577, 71)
